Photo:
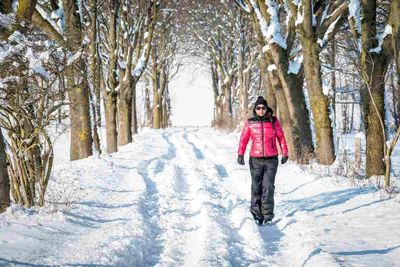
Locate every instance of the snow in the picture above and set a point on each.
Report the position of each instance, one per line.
(325, 13)
(265, 48)
(177, 197)
(272, 31)
(141, 63)
(271, 67)
(360, 135)
(57, 25)
(15, 5)
(355, 13)
(6, 20)
(300, 15)
(74, 57)
(295, 65)
(331, 27)
(381, 38)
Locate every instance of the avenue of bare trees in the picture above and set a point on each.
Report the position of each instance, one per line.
(81, 61)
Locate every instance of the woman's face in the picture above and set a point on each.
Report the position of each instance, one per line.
(261, 110)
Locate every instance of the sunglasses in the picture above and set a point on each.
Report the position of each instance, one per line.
(261, 107)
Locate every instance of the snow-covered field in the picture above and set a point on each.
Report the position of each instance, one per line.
(177, 197)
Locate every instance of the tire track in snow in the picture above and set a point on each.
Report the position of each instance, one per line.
(149, 207)
(114, 233)
(170, 207)
(261, 244)
(223, 246)
(175, 211)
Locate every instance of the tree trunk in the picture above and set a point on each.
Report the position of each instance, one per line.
(398, 100)
(156, 109)
(333, 79)
(243, 94)
(299, 115)
(81, 131)
(375, 140)
(374, 67)
(110, 107)
(4, 178)
(108, 91)
(319, 102)
(155, 80)
(134, 111)
(125, 118)
(268, 89)
(78, 88)
(284, 116)
(95, 75)
(149, 115)
(292, 85)
(395, 15)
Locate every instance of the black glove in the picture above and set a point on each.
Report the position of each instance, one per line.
(284, 159)
(240, 159)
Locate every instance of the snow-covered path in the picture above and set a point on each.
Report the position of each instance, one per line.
(176, 197)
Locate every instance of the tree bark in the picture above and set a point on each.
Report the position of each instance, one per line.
(78, 93)
(284, 117)
(292, 85)
(142, 47)
(134, 112)
(319, 102)
(374, 67)
(243, 93)
(4, 178)
(155, 78)
(95, 76)
(78, 88)
(109, 91)
(110, 107)
(268, 88)
(125, 117)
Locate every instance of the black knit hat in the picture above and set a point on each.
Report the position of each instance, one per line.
(260, 101)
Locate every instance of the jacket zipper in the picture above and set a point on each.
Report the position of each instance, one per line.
(262, 134)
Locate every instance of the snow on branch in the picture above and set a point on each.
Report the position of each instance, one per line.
(381, 38)
(355, 13)
(141, 63)
(6, 20)
(58, 14)
(243, 5)
(300, 15)
(295, 65)
(330, 29)
(74, 57)
(272, 31)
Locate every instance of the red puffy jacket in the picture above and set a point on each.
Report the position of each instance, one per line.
(264, 134)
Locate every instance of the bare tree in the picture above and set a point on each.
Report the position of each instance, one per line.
(77, 83)
(318, 21)
(109, 89)
(133, 61)
(4, 178)
(78, 89)
(283, 56)
(30, 103)
(164, 59)
(376, 52)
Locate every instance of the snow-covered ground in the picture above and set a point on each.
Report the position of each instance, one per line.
(177, 197)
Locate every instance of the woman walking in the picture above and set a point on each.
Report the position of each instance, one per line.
(263, 129)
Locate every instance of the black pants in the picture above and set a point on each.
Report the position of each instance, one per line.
(263, 171)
